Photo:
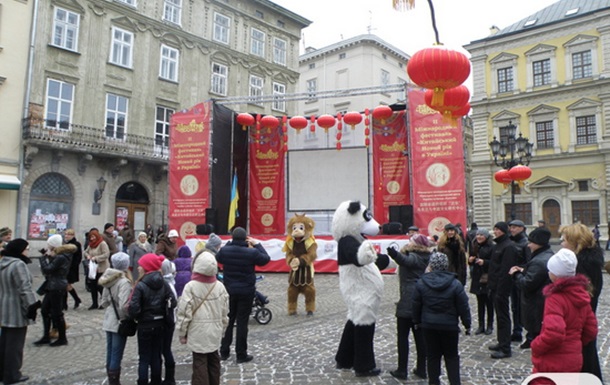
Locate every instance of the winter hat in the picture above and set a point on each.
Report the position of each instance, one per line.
(172, 233)
(55, 241)
(151, 262)
(483, 231)
(5, 231)
(184, 252)
(450, 226)
(563, 263)
(168, 267)
(107, 226)
(502, 226)
(213, 242)
(120, 261)
(205, 264)
(15, 247)
(438, 261)
(142, 233)
(516, 222)
(421, 240)
(540, 236)
(239, 234)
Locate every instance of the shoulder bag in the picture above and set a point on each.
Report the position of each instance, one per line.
(204, 298)
(127, 327)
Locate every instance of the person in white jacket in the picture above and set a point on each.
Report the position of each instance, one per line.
(203, 312)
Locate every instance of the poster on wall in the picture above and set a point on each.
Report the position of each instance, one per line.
(121, 217)
(44, 223)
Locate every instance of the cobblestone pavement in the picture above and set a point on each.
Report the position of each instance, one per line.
(289, 350)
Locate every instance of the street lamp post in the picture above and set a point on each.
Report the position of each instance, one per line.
(510, 151)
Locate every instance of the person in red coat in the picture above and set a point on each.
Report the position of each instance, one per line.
(568, 321)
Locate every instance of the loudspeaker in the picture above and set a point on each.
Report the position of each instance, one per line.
(402, 214)
(210, 217)
(392, 228)
(204, 229)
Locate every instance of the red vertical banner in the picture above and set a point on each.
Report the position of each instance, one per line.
(390, 165)
(437, 158)
(266, 183)
(189, 170)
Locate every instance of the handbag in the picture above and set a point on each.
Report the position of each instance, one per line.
(42, 290)
(128, 326)
(92, 273)
(484, 278)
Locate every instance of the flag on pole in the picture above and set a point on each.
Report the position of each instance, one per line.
(233, 211)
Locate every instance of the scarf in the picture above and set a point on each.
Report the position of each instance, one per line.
(98, 239)
(203, 278)
(142, 245)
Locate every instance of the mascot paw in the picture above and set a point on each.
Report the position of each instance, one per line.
(294, 264)
(366, 253)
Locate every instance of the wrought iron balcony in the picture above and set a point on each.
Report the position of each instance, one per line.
(78, 138)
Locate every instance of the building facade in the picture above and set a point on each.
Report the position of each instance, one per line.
(105, 79)
(548, 74)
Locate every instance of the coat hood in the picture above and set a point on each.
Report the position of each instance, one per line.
(205, 264)
(7, 261)
(438, 280)
(573, 287)
(110, 277)
(154, 280)
(414, 247)
(67, 248)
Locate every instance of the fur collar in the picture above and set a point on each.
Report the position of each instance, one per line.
(67, 248)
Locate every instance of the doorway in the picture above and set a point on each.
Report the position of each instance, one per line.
(551, 213)
(132, 206)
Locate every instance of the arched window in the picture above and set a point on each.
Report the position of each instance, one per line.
(50, 210)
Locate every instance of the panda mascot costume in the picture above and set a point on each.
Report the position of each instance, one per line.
(361, 286)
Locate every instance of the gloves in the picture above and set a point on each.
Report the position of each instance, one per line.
(32, 310)
(392, 252)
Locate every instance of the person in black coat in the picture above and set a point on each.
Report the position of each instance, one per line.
(503, 256)
(439, 302)
(73, 275)
(239, 258)
(519, 236)
(578, 238)
(480, 255)
(531, 279)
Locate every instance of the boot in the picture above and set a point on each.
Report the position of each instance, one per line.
(61, 331)
(114, 377)
(76, 298)
(46, 325)
(170, 371)
(490, 329)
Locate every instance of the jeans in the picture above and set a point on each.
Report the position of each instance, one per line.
(115, 346)
(240, 307)
(150, 346)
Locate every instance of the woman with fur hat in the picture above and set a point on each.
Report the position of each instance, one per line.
(151, 299)
(412, 260)
(136, 250)
(98, 252)
(18, 306)
(55, 265)
(117, 284)
(480, 255)
(203, 317)
(451, 244)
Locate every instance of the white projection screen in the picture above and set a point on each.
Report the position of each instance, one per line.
(321, 179)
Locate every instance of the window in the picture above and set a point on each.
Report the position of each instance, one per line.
(256, 88)
(583, 185)
(168, 69)
(65, 29)
(221, 28)
(162, 129)
(505, 79)
(523, 211)
(279, 51)
(342, 56)
(542, 72)
(122, 46)
(582, 67)
(172, 11)
(219, 79)
(257, 46)
(312, 66)
(385, 78)
(50, 207)
(544, 135)
(585, 212)
(116, 116)
(279, 104)
(60, 97)
(259, 14)
(312, 88)
(281, 24)
(128, 2)
(586, 130)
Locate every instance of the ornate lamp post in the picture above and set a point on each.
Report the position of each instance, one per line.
(511, 151)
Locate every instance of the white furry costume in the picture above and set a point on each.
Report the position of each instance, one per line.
(361, 285)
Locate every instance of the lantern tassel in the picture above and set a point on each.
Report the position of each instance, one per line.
(438, 97)
(403, 5)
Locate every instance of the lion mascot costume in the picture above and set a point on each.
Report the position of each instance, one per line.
(361, 285)
(301, 251)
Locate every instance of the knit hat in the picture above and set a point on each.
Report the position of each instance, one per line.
(55, 241)
(483, 231)
(563, 263)
(540, 236)
(120, 261)
(172, 233)
(438, 261)
(450, 226)
(151, 262)
(516, 222)
(239, 234)
(421, 240)
(15, 247)
(107, 226)
(205, 264)
(5, 231)
(184, 252)
(502, 226)
(142, 233)
(213, 242)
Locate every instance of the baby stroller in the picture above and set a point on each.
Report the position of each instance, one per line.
(261, 314)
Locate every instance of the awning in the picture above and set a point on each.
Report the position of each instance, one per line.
(9, 182)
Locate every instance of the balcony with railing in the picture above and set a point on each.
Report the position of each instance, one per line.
(79, 138)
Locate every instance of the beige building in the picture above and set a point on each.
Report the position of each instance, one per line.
(15, 25)
(549, 75)
(106, 77)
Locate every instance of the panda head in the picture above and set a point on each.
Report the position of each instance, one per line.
(353, 218)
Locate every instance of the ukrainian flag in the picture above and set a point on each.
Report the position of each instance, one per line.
(233, 211)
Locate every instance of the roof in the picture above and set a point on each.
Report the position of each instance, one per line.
(360, 39)
(288, 13)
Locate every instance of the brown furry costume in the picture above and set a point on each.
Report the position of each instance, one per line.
(301, 251)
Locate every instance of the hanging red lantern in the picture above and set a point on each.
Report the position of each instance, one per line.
(298, 123)
(438, 68)
(269, 122)
(312, 124)
(382, 113)
(520, 173)
(455, 98)
(461, 111)
(326, 121)
(339, 146)
(352, 118)
(285, 132)
(503, 177)
(245, 120)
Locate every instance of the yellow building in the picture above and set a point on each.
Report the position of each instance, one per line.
(549, 75)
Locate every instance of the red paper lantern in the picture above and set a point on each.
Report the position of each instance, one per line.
(520, 173)
(269, 122)
(352, 118)
(455, 98)
(438, 68)
(382, 113)
(461, 111)
(245, 120)
(298, 123)
(503, 177)
(326, 121)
